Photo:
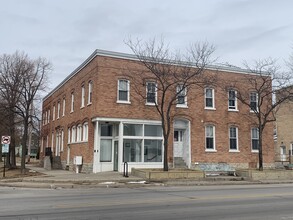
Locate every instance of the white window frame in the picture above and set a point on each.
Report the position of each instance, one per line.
(143, 137)
(214, 139)
(182, 93)
(213, 99)
(90, 94)
(48, 118)
(63, 107)
(73, 134)
(58, 139)
(44, 118)
(253, 138)
(85, 131)
(127, 90)
(147, 92)
(68, 136)
(72, 102)
(58, 109)
(237, 146)
(79, 133)
(231, 107)
(82, 96)
(256, 101)
(54, 111)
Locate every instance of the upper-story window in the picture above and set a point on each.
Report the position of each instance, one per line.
(254, 139)
(253, 101)
(151, 90)
(181, 96)
(58, 109)
(210, 137)
(209, 98)
(233, 137)
(90, 92)
(232, 99)
(72, 102)
(63, 107)
(48, 119)
(54, 112)
(123, 90)
(44, 118)
(82, 96)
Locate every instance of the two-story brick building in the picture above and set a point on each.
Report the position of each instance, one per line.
(95, 113)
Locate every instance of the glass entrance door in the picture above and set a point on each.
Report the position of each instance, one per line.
(115, 168)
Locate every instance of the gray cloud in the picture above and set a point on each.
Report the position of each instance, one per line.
(68, 31)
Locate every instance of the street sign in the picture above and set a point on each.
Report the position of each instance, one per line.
(5, 148)
(5, 140)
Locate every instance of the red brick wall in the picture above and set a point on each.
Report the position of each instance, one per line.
(104, 72)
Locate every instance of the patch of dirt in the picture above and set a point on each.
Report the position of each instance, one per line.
(16, 173)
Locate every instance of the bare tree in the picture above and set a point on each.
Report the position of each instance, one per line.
(262, 84)
(21, 78)
(173, 75)
(12, 68)
(33, 82)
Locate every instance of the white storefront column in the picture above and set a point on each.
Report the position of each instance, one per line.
(96, 164)
(120, 148)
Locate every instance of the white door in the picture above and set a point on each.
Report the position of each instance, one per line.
(178, 143)
(283, 153)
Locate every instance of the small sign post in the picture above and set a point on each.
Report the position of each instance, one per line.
(5, 141)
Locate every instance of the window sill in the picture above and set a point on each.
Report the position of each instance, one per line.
(254, 151)
(123, 102)
(233, 110)
(208, 108)
(211, 150)
(150, 104)
(234, 151)
(71, 112)
(81, 107)
(78, 142)
(88, 104)
(181, 106)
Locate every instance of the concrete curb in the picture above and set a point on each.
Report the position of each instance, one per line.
(69, 184)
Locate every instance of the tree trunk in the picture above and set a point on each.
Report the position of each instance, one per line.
(23, 143)
(166, 167)
(12, 148)
(260, 156)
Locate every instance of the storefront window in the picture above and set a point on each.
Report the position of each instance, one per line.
(132, 130)
(132, 150)
(106, 130)
(153, 130)
(153, 151)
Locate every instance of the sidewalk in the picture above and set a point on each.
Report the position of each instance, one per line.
(68, 179)
(54, 179)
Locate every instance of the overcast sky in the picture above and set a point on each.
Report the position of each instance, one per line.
(66, 32)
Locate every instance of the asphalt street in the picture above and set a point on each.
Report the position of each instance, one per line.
(196, 202)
